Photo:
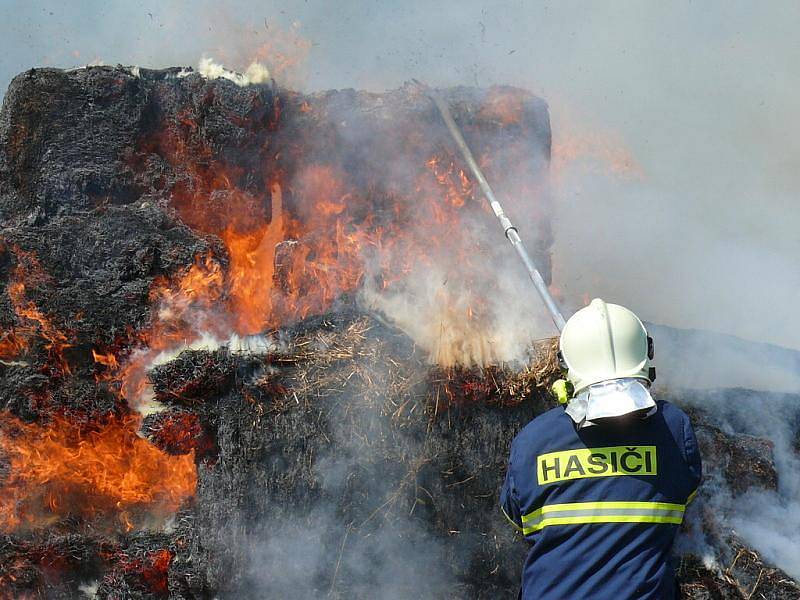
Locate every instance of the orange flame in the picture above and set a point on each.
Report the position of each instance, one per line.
(503, 107)
(153, 569)
(59, 470)
(12, 345)
(182, 308)
(293, 246)
(28, 272)
(297, 242)
(106, 359)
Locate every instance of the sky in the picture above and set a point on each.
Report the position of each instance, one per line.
(678, 200)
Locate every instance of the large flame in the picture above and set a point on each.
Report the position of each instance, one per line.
(337, 235)
(60, 469)
(101, 471)
(296, 242)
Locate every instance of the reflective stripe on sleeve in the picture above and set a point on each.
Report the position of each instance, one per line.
(577, 513)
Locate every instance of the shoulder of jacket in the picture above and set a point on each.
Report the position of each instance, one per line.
(670, 410)
(675, 419)
(539, 427)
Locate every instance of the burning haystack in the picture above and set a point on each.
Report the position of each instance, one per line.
(256, 344)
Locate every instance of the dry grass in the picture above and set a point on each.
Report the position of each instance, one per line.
(382, 369)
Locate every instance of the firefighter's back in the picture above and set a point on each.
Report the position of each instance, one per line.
(601, 504)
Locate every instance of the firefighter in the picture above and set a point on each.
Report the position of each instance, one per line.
(599, 485)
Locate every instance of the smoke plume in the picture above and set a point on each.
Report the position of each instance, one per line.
(697, 101)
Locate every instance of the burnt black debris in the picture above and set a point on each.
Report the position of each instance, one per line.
(334, 461)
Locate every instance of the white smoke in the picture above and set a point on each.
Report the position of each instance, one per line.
(254, 74)
(205, 341)
(707, 99)
(610, 243)
(433, 306)
(370, 557)
(767, 520)
(145, 402)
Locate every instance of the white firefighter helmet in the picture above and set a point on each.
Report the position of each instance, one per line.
(602, 342)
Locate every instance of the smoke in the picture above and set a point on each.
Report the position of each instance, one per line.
(433, 308)
(702, 360)
(377, 566)
(254, 74)
(671, 266)
(766, 519)
(703, 96)
(354, 536)
(465, 312)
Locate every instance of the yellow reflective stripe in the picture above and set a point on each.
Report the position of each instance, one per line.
(601, 505)
(691, 496)
(602, 519)
(576, 513)
(510, 520)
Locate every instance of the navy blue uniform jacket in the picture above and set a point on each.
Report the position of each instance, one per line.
(601, 505)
